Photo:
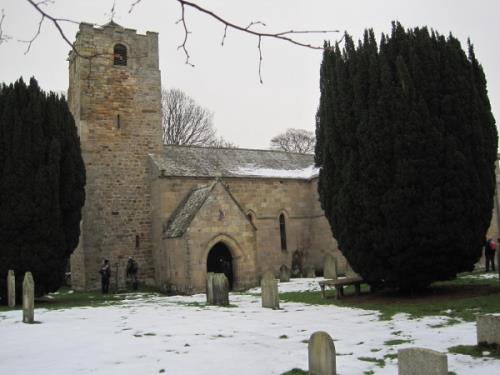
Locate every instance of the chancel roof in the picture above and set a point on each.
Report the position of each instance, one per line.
(194, 161)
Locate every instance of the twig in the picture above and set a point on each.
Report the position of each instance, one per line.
(3, 37)
(186, 33)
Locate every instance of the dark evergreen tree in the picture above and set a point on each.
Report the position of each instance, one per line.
(42, 179)
(406, 142)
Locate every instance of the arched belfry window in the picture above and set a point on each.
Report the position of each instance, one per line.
(283, 232)
(120, 55)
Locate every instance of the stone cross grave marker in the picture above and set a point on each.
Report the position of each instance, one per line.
(417, 361)
(270, 294)
(11, 289)
(329, 267)
(220, 289)
(488, 329)
(28, 298)
(322, 359)
(284, 273)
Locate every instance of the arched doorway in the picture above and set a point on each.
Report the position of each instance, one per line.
(219, 260)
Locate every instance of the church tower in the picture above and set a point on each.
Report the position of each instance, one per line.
(115, 96)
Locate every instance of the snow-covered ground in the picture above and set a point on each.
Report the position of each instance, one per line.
(179, 335)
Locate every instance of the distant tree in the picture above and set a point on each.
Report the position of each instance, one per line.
(220, 142)
(294, 140)
(407, 143)
(41, 186)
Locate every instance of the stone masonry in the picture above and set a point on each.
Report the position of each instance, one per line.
(117, 113)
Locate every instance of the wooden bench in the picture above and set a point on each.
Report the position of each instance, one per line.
(339, 284)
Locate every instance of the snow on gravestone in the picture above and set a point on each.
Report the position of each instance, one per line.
(269, 287)
(418, 361)
(11, 289)
(220, 289)
(488, 329)
(210, 289)
(28, 298)
(329, 267)
(284, 274)
(322, 359)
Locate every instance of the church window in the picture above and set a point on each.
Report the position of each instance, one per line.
(120, 55)
(282, 232)
(137, 241)
(118, 122)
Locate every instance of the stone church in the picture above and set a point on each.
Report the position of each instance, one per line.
(180, 211)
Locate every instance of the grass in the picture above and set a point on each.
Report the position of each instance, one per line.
(396, 342)
(295, 371)
(451, 299)
(378, 362)
(478, 351)
(66, 298)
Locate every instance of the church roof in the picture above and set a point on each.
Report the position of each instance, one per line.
(186, 211)
(195, 161)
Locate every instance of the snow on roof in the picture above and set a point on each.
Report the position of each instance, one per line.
(194, 161)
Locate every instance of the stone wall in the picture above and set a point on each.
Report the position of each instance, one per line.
(117, 112)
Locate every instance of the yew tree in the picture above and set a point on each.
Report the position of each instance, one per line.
(407, 144)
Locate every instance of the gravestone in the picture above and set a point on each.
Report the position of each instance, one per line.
(220, 289)
(284, 274)
(349, 272)
(488, 329)
(418, 361)
(310, 271)
(28, 298)
(329, 267)
(210, 289)
(270, 294)
(11, 289)
(322, 359)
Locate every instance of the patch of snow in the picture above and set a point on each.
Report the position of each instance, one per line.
(253, 170)
(179, 334)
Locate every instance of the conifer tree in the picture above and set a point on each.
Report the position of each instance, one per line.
(41, 186)
(407, 146)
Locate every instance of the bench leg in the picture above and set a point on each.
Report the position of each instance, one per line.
(339, 289)
(357, 288)
(323, 291)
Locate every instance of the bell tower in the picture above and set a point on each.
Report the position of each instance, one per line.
(115, 96)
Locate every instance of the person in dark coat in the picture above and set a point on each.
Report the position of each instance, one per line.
(132, 269)
(105, 272)
(489, 254)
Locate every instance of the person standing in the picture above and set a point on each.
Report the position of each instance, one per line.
(132, 269)
(105, 272)
(489, 254)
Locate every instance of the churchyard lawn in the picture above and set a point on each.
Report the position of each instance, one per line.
(149, 333)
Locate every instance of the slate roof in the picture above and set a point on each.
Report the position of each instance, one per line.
(186, 211)
(195, 161)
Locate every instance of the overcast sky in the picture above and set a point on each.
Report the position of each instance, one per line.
(225, 79)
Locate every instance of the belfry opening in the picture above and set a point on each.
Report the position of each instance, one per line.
(219, 260)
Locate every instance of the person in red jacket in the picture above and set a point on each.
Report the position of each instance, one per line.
(489, 254)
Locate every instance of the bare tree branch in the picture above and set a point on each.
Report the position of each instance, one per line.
(3, 37)
(294, 140)
(186, 33)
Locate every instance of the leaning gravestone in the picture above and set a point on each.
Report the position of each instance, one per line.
(329, 267)
(322, 359)
(284, 273)
(220, 289)
(11, 289)
(28, 298)
(269, 287)
(418, 361)
(488, 329)
(210, 289)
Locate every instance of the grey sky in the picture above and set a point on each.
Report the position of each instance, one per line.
(225, 79)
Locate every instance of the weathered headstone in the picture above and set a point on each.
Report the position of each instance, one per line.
(488, 329)
(284, 273)
(210, 289)
(11, 289)
(329, 267)
(310, 271)
(220, 289)
(349, 272)
(28, 298)
(270, 294)
(418, 361)
(322, 359)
